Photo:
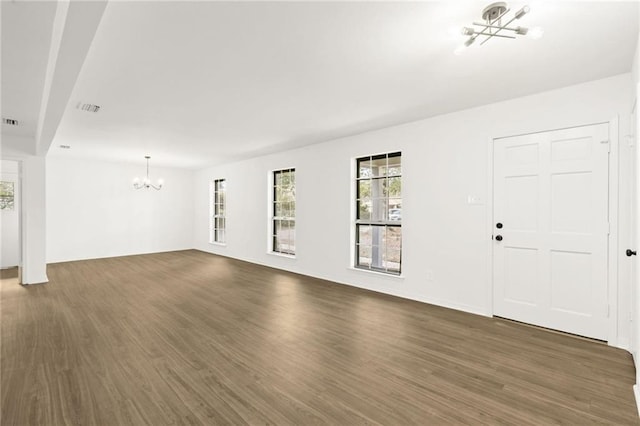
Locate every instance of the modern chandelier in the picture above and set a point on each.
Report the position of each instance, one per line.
(493, 26)
(146, 182)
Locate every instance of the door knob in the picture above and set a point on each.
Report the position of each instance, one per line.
(498, 237)
(499, 225)
(631, 252)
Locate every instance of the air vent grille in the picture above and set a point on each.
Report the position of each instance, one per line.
(88, 107)
(9, 121)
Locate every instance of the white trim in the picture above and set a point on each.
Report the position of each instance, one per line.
(453, 305)
(636, 393)
(614, 170)
(215, 243)
(379, 273)
(489, 211)
(285, 255)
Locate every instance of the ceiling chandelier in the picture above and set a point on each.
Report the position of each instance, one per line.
(493, 26)
(146, 182)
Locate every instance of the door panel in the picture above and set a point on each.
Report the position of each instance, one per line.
(551, 195)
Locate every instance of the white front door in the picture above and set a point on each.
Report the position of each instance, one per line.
(551, 229)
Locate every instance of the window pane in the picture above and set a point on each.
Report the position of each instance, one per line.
(379, 209)
(364, 209)
(364, 235)
(379, 165)
(391, 261)
(394, 238)
(394, 187)
(364, 256)
(364, 189)
(394, 165)
(364, 167)
(284, 236)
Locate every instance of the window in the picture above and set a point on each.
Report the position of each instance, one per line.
(379, 213)
(6, 195)
(218, 219)
(284, 212)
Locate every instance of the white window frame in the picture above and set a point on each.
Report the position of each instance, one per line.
(215, 214)
(273, 219)
(385, 223)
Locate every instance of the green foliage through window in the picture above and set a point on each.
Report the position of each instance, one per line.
(7, 195)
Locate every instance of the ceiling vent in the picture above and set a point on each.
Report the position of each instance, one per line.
(88, 107)
(9, 121)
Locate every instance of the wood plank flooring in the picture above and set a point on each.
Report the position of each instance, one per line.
(196, 339)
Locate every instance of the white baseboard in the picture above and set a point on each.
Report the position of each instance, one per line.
(636, 392)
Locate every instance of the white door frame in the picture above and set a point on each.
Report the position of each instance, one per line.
(612, 261)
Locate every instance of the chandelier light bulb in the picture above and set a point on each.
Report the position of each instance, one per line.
(522, 12)
(467, 31)
(536, 33)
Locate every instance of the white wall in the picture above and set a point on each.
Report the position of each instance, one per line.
(34, 209)
(10, 219)
(21, 149)
(445, 159)
(93, 211)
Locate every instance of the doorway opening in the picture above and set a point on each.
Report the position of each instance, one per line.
(10, 220)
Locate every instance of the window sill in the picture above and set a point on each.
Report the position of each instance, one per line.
(285, 255)
(215, 243)
(378, 273)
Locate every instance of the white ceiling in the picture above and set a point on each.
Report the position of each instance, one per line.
(199, 83)
(26, 34)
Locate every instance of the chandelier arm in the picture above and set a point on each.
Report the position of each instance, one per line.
(497, 31)
(493, 26)
(490, 24)
(496, 35)
(500, 16)
(487, 26)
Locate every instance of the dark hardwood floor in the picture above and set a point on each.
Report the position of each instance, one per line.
(191, 338)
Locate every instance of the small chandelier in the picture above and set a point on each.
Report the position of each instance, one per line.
(146, 182)
(493, 26)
